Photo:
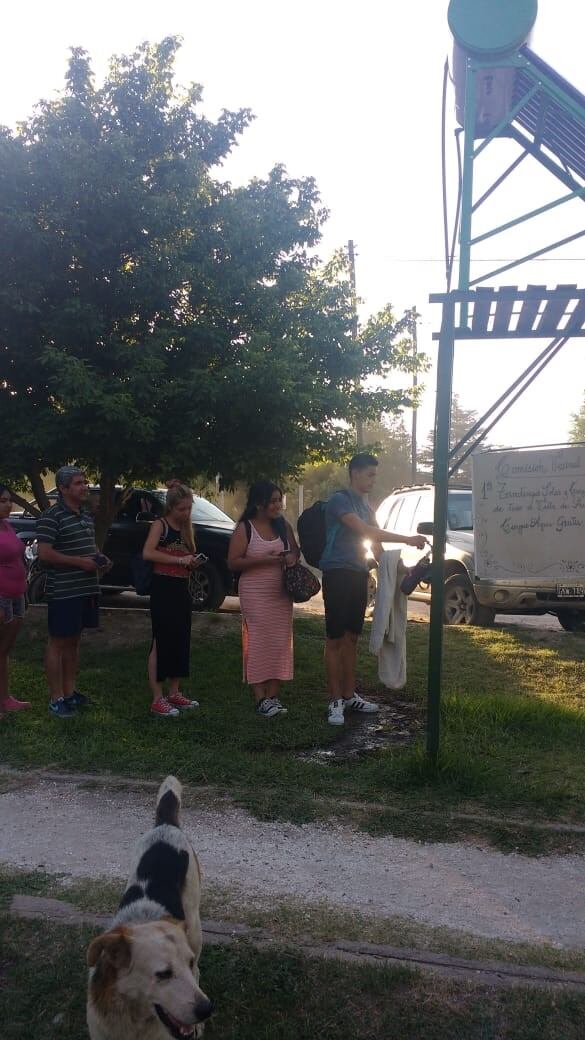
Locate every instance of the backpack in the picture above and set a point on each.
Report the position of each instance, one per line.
(312, 531)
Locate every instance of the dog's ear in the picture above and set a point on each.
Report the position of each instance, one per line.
(114, 946)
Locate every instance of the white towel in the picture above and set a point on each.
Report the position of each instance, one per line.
(388, 637)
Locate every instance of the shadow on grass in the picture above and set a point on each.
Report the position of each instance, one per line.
(279, 995)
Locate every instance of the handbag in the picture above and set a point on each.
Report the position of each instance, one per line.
(299, 582)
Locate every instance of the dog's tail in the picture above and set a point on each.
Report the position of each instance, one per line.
(168, 802)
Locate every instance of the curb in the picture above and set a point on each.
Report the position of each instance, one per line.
(215, 933)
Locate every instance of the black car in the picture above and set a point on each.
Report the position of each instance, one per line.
(209, 584)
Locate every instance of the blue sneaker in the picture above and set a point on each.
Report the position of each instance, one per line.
(77, 700)
(62, 709)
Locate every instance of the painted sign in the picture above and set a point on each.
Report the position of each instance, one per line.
(529, 514)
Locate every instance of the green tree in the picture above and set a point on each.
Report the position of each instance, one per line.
(388, 439)
(577, 431)
(462, 419)
(155, 320)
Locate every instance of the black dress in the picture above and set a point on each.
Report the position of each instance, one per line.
(170, 612)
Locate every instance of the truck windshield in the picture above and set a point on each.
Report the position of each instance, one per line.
(203, 512)
(460, 511)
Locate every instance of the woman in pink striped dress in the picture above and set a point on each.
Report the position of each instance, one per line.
(259, 553)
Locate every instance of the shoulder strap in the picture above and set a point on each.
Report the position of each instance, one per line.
(165, 528)
(279, 526)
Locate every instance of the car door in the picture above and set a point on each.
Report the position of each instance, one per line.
(127, 535)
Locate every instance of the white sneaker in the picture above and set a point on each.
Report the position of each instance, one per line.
(335, 712)
(267, 708)
(357, 703)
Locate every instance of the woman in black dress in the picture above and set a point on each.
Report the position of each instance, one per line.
(170, 547)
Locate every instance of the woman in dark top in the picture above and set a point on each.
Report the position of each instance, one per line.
(170, 547)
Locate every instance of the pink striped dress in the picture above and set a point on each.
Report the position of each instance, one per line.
(267, 637)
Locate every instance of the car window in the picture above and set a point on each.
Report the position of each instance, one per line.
(383, 512)
(140, 501)
(460, 511)
(407, 513)
(423, 513)
(206, 512)
(394, 513)
(203, 512)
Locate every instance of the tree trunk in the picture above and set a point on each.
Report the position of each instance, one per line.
(107, 509)
(38, 489)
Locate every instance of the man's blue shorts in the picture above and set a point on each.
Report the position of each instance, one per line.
(68, 617)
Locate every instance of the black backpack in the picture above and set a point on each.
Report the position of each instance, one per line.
(312, 532)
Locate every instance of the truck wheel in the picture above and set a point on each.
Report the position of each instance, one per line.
(572, 620)
(461, 607)
(206, 588)
(372, 589)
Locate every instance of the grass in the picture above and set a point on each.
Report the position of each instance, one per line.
(513, 732)
(294, 921)
(279, 995)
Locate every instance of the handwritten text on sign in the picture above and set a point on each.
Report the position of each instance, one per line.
(529, 513)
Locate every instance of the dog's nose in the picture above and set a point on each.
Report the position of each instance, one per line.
(203, 1009)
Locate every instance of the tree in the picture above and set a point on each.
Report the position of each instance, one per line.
(462, 419)
(155, 320)
(388, 439)
(577, 431)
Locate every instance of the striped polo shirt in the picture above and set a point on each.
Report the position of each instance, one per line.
(72, 534)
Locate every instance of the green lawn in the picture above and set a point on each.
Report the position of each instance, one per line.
(513, 730)
(279, 995)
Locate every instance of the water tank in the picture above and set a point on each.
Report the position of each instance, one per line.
(488, 30)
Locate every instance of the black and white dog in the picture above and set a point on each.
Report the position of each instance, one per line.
(144, 975)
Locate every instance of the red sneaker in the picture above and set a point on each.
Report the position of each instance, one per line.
(178, 701)
(162, 707)
(11, 704)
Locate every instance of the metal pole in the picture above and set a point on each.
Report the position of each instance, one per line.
(413, 463)
(440, 480)
(467, 185)
(359, 426)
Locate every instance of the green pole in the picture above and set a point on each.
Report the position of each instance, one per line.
(440, 480)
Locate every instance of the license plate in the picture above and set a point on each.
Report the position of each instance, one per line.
(571, 591)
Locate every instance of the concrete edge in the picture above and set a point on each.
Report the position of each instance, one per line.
(485, 973)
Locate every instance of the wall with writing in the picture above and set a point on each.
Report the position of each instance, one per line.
(529, 513)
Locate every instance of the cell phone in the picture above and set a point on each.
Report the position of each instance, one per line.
(101, 560)
(201, 557)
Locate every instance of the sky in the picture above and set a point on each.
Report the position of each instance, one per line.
(350, 93)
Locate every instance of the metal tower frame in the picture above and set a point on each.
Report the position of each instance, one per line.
(483, 314)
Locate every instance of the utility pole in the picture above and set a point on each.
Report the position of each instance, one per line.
(359, 426)
(413, 462)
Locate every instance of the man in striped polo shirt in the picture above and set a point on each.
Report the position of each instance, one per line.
(66, 538)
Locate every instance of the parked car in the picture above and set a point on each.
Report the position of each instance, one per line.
(470, 600)
(209, 584)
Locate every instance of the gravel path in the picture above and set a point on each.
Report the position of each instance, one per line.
(62, 827)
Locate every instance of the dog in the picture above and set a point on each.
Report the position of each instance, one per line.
(143, 973)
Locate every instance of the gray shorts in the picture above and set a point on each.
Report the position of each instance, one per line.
(10, 609)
